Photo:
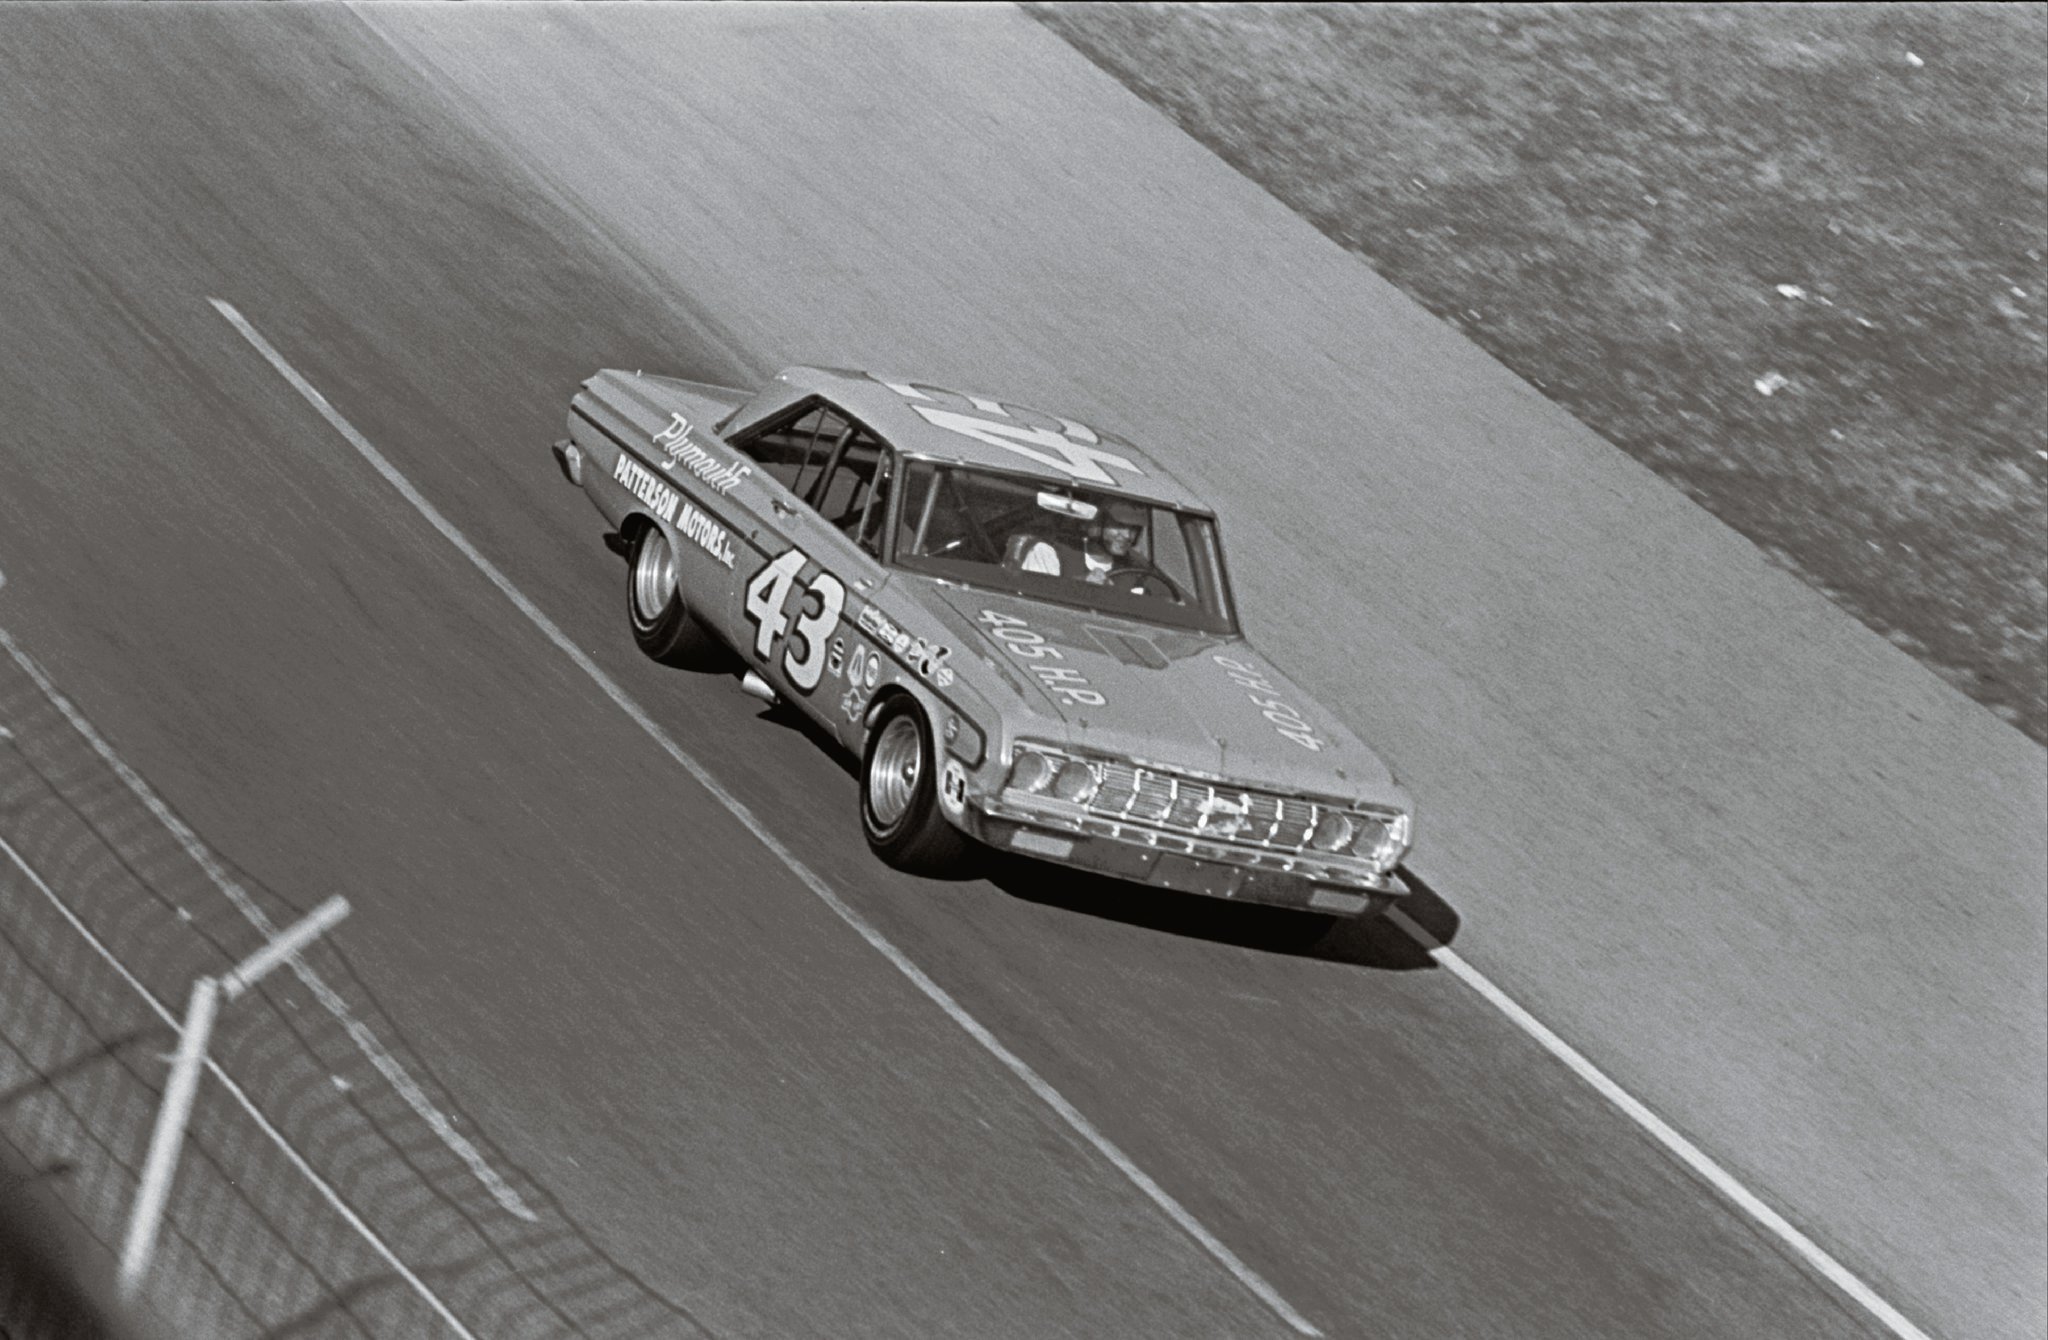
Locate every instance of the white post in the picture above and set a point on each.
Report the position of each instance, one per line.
(289, 942)
(168, 1137)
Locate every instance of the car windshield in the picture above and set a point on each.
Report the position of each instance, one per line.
(1093, 550)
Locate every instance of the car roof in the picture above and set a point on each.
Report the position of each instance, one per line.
(891, 407)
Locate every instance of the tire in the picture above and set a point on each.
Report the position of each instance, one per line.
(899, 796)
(662, 623)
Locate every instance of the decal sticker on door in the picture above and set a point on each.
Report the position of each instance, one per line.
(805, 646)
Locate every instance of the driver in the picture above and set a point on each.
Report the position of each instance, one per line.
(1112, 543)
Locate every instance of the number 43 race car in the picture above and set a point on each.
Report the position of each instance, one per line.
(1020, 625)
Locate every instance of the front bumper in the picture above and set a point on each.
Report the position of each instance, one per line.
(1186, 865)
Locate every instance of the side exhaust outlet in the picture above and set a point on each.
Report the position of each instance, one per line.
(570, 457)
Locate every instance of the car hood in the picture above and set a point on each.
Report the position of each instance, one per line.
(1172, 698)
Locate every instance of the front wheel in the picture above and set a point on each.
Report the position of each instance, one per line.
(662, 623)
(899, 801)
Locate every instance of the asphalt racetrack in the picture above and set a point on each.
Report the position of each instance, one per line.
(1773, 876)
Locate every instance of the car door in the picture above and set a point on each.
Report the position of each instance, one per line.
(819, 547)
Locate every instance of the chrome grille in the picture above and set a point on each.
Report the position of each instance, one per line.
(1202, 809)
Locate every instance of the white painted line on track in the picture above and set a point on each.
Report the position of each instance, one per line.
(359, 1032)
(1015, 1064)
(327, 1192)
(1661, 1131)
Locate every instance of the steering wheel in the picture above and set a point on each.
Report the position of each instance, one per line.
(1144, 581)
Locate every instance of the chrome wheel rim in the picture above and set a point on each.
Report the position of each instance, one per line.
(654, 577)
(894, 769)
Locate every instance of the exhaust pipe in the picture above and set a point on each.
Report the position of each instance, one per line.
(754, 686)
(570, 457)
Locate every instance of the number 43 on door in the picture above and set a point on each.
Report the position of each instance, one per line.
(817, 617)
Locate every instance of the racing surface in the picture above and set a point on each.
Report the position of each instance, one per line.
(1833, 982)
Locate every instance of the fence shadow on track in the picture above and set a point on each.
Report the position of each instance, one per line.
(250, 1248)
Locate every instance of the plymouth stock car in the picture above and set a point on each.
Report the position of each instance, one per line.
(1020, 625)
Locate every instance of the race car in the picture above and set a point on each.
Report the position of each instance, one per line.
(1021, 625)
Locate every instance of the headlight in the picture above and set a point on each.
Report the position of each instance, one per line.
(1031, 772)
(1333, 832)
(1077, 782)
(1385, 843)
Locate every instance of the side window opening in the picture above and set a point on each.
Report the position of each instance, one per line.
(835, 465)
(794, 451)
(846, 482)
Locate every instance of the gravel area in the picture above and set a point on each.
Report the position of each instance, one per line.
(1793, 258)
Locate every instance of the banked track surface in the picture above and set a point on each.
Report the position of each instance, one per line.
(712, 1077)
(1765, 866)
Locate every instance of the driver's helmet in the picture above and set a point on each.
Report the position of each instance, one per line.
(1119, 526)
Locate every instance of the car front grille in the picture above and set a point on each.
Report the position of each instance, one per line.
(1140, 796)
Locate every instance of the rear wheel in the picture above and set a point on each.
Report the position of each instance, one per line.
(662, 623)
(899, 796)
